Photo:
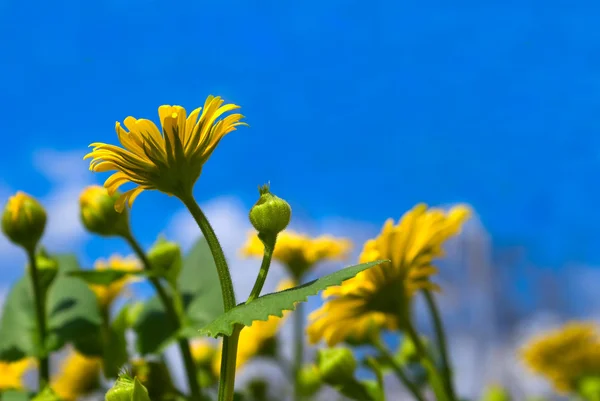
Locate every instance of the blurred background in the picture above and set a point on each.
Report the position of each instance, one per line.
(357, 111)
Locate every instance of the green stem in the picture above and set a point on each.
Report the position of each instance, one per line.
(299, 346)
(39, 296)
(441, 342)
(230, 344)
(228, 365)
(269, 243)
(184, 345)
(435, 379)
(398, 370)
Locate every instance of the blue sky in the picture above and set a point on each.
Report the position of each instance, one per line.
(355, 110)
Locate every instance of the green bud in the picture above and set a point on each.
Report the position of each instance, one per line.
(270, 215)
(408, 353)
(337, 365)
(155, 376)
(127, 389)
(165, 259)
(24, 220)
(47, 394)
(46, 269)
(98, 214)
(589, 388)
(309, 380)
(496, 393)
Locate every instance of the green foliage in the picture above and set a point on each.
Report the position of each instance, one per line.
(105, 277)
(199, 285)
(72, 312)
(274, 304)
(15, 395)
(115, 344)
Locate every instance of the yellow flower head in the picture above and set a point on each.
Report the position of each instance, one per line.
(169, 160)
(380, 296)
(11, 374)
(203, 352)
(106, 294)
(79, 375)
(253, 339)
(300, 252)
(566, 355)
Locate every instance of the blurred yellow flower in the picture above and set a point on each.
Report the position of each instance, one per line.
(203, 352)
(11, 374)
(380, 296)
(255, 338)
(106, 294)
(566, 355)
(169, 160)
(79, 375)
(298, 252)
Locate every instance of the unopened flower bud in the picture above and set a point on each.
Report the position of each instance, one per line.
(46, 269)
(309, 380)
(337, 365)
(155, 376)
(98, 214)
(495, 393)
(47, 394)
(24, 220)
(127, 389)
(270, 215)
(165, 259)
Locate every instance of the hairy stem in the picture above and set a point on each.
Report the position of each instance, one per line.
(269, 244)
(39, 296)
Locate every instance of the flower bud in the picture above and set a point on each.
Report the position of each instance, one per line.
(309, 380)
(98, 214)
(408, 351)
(270, 215)
(127, 389)
(165, 259)
(337, 365)
(46, 269)
(589, 388)
(47, 394)
(155, 376)
(24, 220)
(495, 393)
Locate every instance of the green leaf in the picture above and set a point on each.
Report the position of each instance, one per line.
(115, 346)
(201, 291)
(71, 309)
(105, 277)
(15, 395)
(274, 304)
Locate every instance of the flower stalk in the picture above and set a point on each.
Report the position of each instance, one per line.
(174, 316)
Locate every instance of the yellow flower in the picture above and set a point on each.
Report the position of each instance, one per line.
(106, 294)
(79, 375)
(11, 374)
(298, 252)
(566, 355)
(170, 160)
(380, 296)
(255, 338)
(203, 352)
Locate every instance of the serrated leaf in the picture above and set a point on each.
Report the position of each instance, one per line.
(105, 277)
(274, 304)
(199, 285)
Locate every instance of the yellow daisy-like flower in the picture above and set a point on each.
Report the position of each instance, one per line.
(79, 375)
(169, 160)
(298, 252)
(253, 339)
(11, 374)
(566, 355)
(106, 294)
(380, 296)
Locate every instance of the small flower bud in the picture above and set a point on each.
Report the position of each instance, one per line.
(495, 393)
(127, 389)
(337, 365)
(155, 376)
(98, 214)
(24, 220)
(47, 394)
(270, 215)
(309, 380)
(165, 259)
(46, 269)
